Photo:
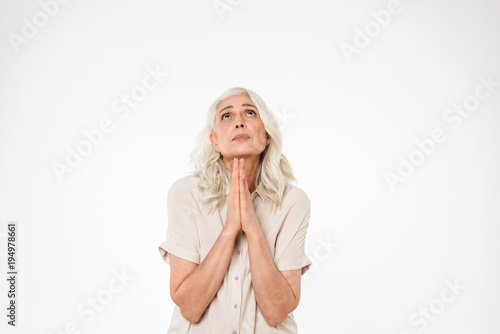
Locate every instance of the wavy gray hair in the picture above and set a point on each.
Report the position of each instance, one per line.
(274, 172)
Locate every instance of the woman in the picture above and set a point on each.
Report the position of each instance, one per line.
(236, 227)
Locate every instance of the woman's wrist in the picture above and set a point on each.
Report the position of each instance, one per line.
(253, 231)
(230, 230)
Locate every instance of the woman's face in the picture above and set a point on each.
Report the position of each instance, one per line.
(237, 115)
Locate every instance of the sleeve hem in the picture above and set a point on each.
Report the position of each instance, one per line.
(167, 248)
(303, 263)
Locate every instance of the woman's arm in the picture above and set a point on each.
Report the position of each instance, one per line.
(192, 286)
(277, 293)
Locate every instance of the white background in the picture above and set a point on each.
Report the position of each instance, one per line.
(345, 125)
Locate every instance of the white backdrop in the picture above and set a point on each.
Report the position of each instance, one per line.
(390, 117)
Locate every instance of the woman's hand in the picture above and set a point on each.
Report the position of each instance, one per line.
(233, 216)
(240, 210)
(249, 222)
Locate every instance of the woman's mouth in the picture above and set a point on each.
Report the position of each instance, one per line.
(241, 137)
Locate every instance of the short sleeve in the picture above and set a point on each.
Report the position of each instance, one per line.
(182, 235)
(290, 244)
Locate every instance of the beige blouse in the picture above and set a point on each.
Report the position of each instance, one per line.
(191, 233)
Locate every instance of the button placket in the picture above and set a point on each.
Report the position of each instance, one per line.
(236, 284)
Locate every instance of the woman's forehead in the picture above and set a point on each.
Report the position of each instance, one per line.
(235, 101)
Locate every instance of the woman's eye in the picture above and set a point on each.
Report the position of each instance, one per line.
(248, 111)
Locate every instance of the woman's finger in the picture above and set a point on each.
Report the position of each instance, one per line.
(238, 171)
(243, 186)
(234, 190)
(234, 175)
(241, 179)
(244, 173)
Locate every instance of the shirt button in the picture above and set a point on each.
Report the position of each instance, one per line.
(238, 252)
(235, 305)
(235, 332)
(236, 277)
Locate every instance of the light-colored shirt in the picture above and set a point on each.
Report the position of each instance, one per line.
(191, 233)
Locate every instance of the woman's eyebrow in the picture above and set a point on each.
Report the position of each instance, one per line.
(243, 105)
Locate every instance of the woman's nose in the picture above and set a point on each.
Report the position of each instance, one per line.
(239, 123)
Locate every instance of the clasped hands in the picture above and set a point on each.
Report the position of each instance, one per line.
(240, 210)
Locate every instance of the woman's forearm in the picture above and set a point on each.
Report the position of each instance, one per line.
(274, 295)
(197, 291)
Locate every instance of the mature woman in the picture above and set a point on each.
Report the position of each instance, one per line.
(236, 226)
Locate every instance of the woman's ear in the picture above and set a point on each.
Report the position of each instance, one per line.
(213, 140)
